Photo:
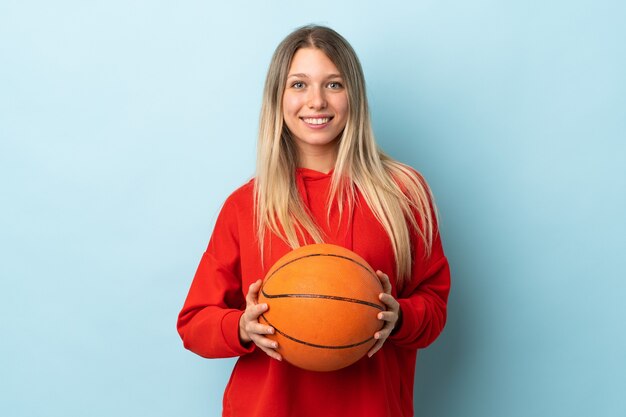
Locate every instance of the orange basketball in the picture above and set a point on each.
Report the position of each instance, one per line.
(323, 304)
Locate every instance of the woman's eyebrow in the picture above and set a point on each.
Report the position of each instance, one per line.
(299, 75)
(303, 75)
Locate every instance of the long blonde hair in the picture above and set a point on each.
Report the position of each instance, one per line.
(398, 197)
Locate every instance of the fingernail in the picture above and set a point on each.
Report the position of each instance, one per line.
(380, 316)
(274, 345)
(377, 336)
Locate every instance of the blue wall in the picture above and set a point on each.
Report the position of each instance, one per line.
(125, 124)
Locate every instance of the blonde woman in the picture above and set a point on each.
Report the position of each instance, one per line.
(320, 178)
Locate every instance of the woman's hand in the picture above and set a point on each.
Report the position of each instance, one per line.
(390, 317)
(250, 330)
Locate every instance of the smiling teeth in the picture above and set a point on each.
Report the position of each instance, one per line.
(317, 121)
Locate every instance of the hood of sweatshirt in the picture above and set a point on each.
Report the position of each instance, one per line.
(314, 188)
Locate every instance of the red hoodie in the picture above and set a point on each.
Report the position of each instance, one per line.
(261, 386)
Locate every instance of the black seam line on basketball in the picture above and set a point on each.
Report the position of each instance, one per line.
(313, 344)
(327, 297)
(323, 254)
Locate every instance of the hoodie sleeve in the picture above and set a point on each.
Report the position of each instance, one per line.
(208, 323)
(423, 300)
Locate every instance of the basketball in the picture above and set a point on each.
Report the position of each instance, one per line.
(323, 305)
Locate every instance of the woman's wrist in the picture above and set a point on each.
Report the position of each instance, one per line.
(396, 327)
(243, 335)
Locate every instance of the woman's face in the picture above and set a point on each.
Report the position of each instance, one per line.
(315, 102)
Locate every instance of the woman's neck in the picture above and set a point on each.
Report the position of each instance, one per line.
(321, 159)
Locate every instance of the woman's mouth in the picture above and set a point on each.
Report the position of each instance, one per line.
(316, 122)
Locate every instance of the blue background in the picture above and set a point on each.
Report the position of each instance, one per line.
(125, 124)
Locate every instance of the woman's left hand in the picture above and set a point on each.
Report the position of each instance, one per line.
(390, 317)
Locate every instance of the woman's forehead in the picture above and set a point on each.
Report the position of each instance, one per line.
(312, 62)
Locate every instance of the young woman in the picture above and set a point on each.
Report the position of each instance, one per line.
(320, 178)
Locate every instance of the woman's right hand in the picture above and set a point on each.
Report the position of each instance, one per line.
(250, 330)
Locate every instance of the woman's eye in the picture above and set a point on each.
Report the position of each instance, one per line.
(335, 85)
(298, 84)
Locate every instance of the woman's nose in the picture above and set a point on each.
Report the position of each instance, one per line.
(317, 98)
